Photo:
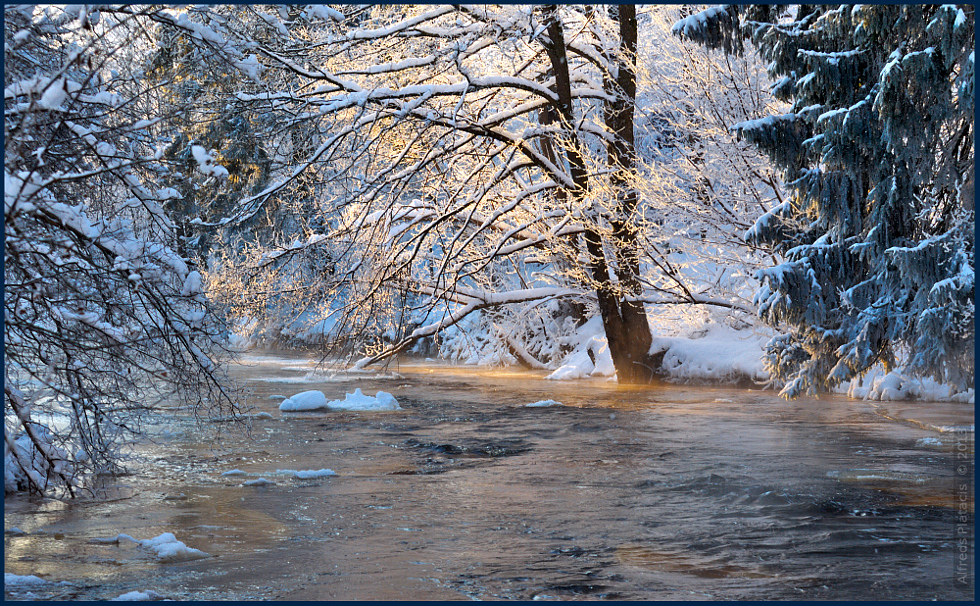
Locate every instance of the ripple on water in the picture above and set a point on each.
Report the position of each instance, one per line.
(667, 493)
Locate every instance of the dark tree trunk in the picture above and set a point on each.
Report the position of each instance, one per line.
(632, 345)
(625, 322)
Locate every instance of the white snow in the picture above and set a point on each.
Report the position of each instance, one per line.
(168, 549)
(11, 580)
(192, 285)
(876, 384)
(543, 403)
(206, 163)
(165, 547)
(315, 400)
(138, 596)
(306, 400)
(933, 442)
(234, 472)
(358, 401)
(579, 364)
(721, 354)
(54, 95)
(692, 25)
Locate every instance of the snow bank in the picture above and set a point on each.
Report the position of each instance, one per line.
(543, 403)
(234, 472)
(590, 356)
(721, 354)
(138, 596)
(718, 354)
(879, 385)
(358, 401)
(315, 400)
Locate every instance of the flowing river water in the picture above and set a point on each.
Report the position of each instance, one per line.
(667, 492)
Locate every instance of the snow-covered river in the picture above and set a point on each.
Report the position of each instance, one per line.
(671, 492)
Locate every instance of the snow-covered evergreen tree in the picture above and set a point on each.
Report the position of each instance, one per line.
(878, 235)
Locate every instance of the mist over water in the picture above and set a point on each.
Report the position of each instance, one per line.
(669, 492)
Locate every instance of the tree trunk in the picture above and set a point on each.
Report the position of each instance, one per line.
(632, 345)
(625, 322)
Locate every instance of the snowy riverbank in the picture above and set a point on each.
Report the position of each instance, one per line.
(703, 350)
(722, 355)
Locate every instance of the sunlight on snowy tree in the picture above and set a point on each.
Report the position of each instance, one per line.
(472, 158)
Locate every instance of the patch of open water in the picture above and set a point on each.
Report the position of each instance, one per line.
(671, 492)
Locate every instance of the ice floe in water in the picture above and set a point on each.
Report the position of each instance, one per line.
(543, 403)
(306, 400)
(315, 400)
(165, 547)
(307, 474)
(138, 596)
(22, 581)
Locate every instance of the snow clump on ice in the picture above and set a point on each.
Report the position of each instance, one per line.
(138, 596)
(165, 547)
(306, 400)
(168, 549)
(543, 403)
(315, 400)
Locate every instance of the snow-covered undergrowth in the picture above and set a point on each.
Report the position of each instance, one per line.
(23, 461)
(316, 400)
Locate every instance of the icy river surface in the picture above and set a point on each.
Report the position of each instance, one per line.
(666, 492)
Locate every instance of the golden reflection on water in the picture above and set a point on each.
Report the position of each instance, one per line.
(677, 562)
